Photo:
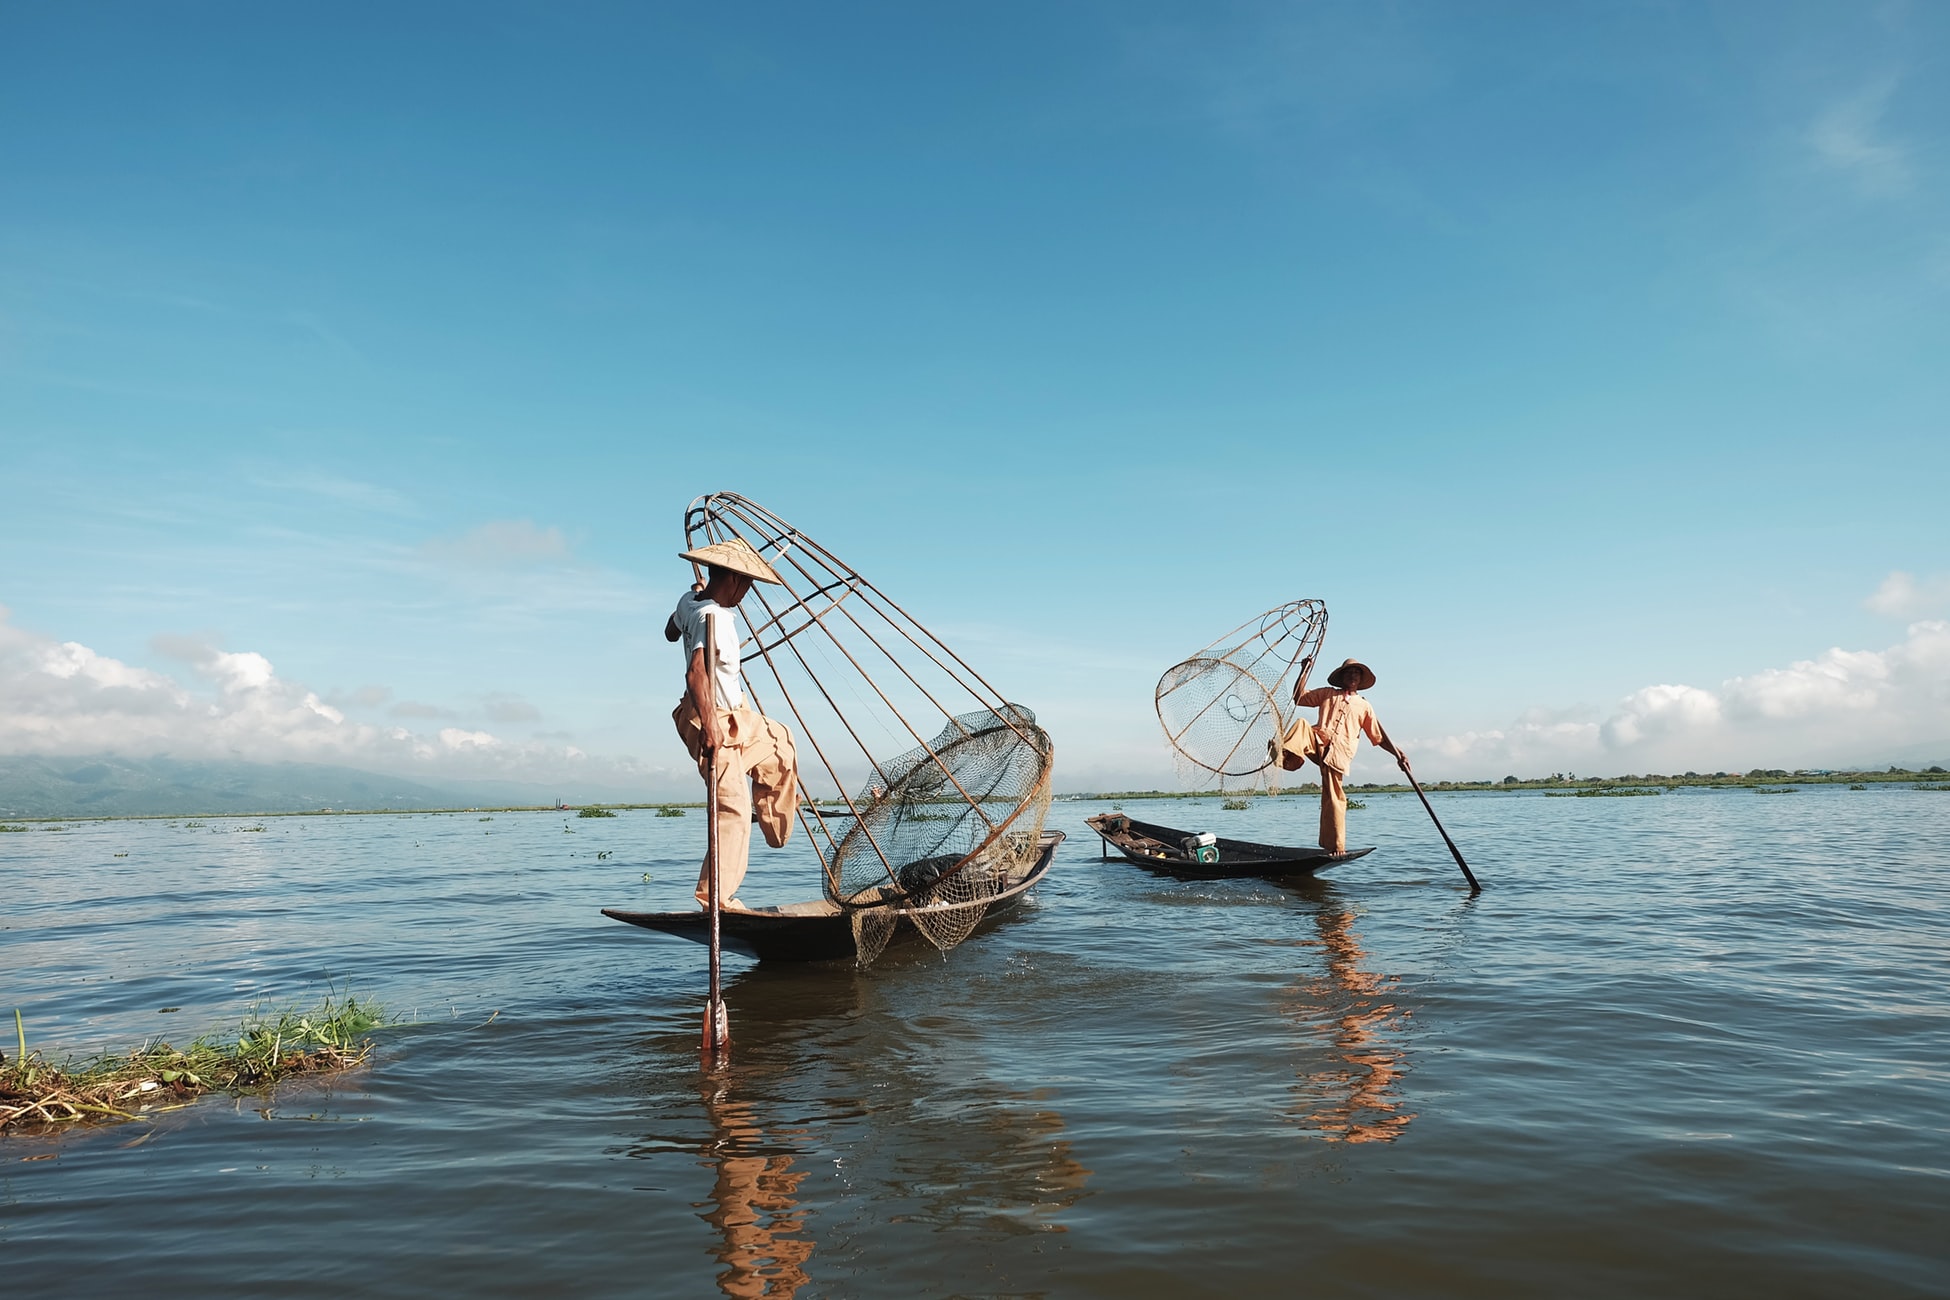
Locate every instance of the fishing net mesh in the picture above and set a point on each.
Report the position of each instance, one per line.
(956, 822)
(1223, 707)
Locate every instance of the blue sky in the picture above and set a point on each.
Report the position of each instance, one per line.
(1566, 351)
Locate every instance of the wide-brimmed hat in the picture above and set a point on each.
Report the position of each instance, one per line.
(1362, 674)
(736, 554)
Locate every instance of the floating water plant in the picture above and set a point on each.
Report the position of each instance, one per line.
(1235, 805)
(12, 828)
(670, 812)
(1355, 803)
(267, 1049)
(1598, 793)
(1765, 789)
(593, 811)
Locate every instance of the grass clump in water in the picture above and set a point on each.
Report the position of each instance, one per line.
(1599, 792)
(1235, 805)
(5, 827)
(670, 812)
(266, 1050)
(593, 811)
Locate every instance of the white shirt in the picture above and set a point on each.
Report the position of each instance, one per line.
(694, 612)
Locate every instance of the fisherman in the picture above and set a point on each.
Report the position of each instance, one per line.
(1331, 741)
(753, 754)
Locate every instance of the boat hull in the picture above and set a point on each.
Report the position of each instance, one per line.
(815, 931)
(1156, 848)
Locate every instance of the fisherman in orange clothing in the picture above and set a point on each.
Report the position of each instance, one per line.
(753, 754)
(1331, 742)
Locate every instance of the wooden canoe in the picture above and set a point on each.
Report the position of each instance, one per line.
(1161, 848)
(819, 930)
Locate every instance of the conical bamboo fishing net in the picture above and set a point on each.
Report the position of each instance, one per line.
(1222, 706)
(925, 790)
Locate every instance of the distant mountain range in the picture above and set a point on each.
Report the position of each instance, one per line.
(110, 785)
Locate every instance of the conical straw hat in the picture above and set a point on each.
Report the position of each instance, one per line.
(736, 554)
(1362, 674)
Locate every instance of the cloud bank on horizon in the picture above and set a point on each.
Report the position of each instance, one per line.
(1840, 708)
(64, 698)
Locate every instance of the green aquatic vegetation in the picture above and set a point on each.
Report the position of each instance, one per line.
(250, 828)
(1599, 793)
(267, 1048)
(1858, 786)
(593, 811)
(4, 827)
(1775, 789)
(1235, 805)
(668, 811)
(484, 819)
(1933, 787)
(1355, 803)
(192, 826)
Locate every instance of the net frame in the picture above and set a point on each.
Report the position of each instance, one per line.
(1263, 662)
(827, 608)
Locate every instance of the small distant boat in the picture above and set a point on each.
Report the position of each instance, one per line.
(1163, 848)
(821, 930)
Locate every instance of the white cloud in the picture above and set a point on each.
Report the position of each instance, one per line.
(1654, 712)
(1902, 596)
(1841, 707)
(64, 698)
(1845, 138)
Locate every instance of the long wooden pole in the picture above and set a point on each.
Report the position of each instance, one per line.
(715, 1044)
(1454, 852)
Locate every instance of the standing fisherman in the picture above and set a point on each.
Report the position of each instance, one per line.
(1331, 742)
(753, 754)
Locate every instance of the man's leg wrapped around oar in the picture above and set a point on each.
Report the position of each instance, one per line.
(757, 759)
(1291, 751)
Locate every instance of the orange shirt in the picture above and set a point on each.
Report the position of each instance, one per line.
(1343, 715)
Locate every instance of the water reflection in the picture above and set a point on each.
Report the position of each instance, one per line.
(797, 1161)
(1354, 1095)
(753, 1202)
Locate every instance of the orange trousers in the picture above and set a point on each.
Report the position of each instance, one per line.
(1333, 810)
(1291, 751)
(758, 762)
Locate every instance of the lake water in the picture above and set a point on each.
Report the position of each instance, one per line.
(1696, 1044)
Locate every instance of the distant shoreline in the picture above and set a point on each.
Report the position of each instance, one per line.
(1931, 777)
(1707, 780)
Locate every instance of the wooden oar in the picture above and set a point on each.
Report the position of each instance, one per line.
(715, 1044)
(1454, 852)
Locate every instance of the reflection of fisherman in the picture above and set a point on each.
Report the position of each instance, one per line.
(754, 1204)
(1331, 742)
(753, 753)
(1353, 1099)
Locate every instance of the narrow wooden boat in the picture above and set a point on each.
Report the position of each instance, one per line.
(1162, 848)
(820, 930)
